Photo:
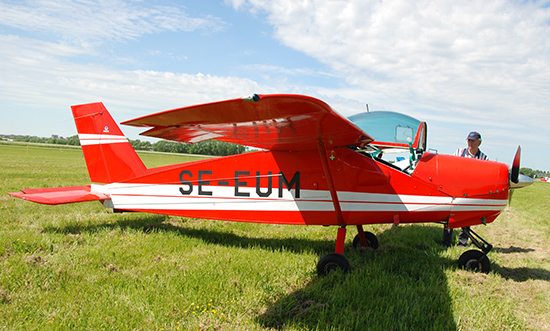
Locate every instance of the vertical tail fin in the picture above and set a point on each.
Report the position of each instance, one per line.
(108, 154)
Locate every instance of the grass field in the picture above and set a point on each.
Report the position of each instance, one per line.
(81, 267)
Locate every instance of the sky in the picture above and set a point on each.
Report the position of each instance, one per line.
(480, 65)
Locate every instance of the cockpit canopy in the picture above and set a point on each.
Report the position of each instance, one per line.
(392, 130)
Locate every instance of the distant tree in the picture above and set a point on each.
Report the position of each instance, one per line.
(134, 143)
(59, 141)
(169, 147)
(209, 147)
(37, 140)
(141, 145)
(145, 146)
(532, 173)
(73, 141)
(527, 172)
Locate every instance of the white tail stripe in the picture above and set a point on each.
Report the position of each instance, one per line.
(97, 139)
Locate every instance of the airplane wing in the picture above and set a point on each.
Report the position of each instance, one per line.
(273, 122)
(60, 195)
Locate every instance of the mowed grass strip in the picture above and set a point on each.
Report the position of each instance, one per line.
(82, 267)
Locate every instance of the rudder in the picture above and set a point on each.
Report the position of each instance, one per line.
(109, 156)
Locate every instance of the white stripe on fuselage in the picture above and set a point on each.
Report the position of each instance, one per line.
(169, 197)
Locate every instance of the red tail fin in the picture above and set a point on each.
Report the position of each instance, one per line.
(108, 154)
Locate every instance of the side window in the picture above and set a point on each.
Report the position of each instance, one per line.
(404, 134)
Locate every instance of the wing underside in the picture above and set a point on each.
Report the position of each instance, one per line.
(273, 122)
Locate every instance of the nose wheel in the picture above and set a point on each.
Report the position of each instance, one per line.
(474, 260)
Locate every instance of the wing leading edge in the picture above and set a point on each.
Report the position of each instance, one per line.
(273, 122)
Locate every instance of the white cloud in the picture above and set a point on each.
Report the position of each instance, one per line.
(422, 47)
(479, 64)
(36, 66)
(39, 84)
(90, 22)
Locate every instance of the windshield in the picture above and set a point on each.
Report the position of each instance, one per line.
(387, 126)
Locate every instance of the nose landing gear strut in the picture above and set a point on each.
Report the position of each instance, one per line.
(474, 260)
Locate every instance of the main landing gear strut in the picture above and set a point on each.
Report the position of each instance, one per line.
(337, 261)
(474, 260)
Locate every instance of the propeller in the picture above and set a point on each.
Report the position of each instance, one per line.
(514, 173)
(517, 180)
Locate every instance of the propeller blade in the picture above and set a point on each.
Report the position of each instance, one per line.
(514, 174)
(517, 180)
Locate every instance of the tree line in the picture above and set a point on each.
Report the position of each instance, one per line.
(533, 173)
(72, 141)
(210, 147)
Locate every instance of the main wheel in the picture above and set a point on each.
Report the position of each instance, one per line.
(474, 260)
(332, 262)
(372, 241)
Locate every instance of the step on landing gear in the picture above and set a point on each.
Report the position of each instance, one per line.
(337, 261)
(474, 260)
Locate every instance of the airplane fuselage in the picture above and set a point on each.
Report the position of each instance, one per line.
(291, 187)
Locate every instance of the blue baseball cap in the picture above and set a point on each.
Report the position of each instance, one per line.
(474, 136)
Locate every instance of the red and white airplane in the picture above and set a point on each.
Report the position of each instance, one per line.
(315, 167)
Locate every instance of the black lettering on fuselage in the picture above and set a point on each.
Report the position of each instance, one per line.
(239, 183)
(204, 182)
(186, 182)
(269, 185)
(294, 181)
(262, 192)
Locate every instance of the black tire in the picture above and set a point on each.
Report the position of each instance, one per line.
(474, 260)
(372, 241)
(332, 262)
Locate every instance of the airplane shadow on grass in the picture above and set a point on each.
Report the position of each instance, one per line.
(400, 286)
(522, 274)
(158, 223)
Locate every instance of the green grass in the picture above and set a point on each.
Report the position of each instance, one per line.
(81, 267)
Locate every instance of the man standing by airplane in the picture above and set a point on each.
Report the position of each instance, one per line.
(473, 151)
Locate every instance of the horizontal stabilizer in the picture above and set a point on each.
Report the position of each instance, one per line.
(60, 195)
